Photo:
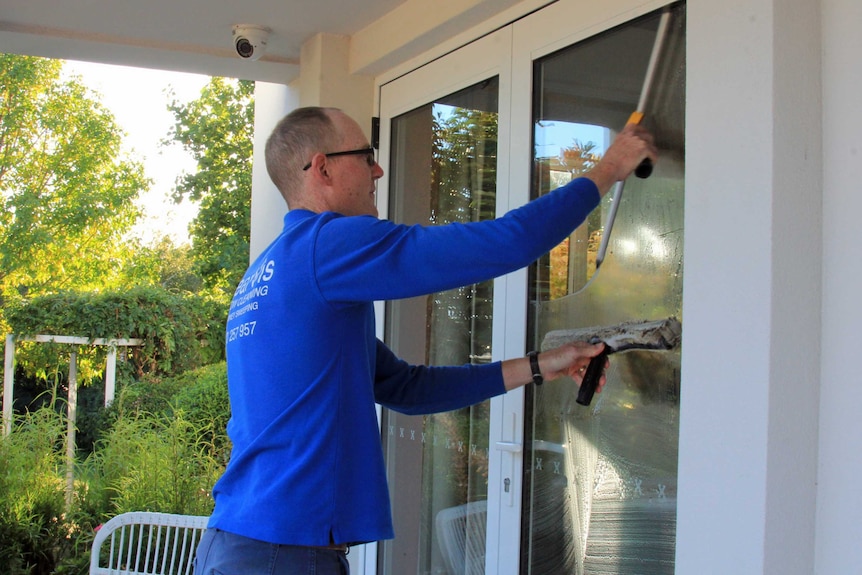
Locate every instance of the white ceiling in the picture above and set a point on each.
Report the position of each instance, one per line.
(182, 35)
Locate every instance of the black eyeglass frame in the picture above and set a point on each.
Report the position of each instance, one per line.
(369, 150)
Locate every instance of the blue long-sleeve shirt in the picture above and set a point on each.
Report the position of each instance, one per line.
(305, 368)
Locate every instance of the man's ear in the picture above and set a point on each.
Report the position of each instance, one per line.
(319, 168)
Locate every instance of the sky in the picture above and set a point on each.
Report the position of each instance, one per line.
(551, 136)
(138, 98)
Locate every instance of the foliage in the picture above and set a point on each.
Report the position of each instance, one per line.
(579, 158)
(218, 130)
(464, 149)
(200, 396)
(165, 460)
(176, 268)
(142, 398)
(463, 184)
(564, 269)
(33, 531)
(67, 190)
(166, 444)
(178, 332)
(203, 400)
(157, 463)
(65, 268)
(166, 265)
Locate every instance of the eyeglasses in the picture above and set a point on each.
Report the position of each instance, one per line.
(369, 151)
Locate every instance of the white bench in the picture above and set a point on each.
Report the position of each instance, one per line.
(143, 543)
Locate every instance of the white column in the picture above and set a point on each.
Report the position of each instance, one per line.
(839, 497)
(71, 427)
(271, 103)
(750, 363)
(8, 383)
(327, 80)
(110, 375)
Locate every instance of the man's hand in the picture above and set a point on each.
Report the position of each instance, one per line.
(628, 150)
(570, 359)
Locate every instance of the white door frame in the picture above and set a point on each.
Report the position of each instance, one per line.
(485, 58)
(509, 54)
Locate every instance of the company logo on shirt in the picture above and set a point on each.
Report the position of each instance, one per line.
(245, 299)
(263, 273)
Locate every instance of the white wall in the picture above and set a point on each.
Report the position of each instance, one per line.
(271, 103)
(839, 493)
(749, 412)
(722, 471)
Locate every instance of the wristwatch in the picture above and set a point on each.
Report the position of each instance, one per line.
(534, 367)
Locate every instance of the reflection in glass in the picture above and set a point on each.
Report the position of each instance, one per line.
(443, 169)
(600, 481)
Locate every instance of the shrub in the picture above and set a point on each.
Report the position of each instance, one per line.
(162, 447)
(203, 400)
(179, 332)
(35, 534)
(156, 463)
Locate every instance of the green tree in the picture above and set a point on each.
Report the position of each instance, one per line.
(464, 148)
(217, 129)
(67, 190)
(167, 265)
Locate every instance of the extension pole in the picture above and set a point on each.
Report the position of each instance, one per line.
(645, 169)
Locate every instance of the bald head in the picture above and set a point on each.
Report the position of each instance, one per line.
(295, 139)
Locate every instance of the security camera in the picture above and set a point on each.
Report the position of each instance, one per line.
(250, 41)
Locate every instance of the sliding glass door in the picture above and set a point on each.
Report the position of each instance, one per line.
(600, 486)
(531, 482)
(442, 168)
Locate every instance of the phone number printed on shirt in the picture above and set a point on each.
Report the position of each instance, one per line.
(242, 330)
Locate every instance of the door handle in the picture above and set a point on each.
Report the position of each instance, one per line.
(510, 446)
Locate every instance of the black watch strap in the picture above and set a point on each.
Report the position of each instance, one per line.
(534, 368)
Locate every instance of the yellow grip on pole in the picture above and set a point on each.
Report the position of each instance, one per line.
(645, 168)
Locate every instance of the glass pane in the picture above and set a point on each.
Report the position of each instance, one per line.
(600, 481)
(443, 169)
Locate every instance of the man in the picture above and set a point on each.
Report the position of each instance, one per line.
(306, 476)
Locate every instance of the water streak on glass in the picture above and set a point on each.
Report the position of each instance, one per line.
(600, 481)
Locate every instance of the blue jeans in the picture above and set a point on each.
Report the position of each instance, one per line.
(223, 553)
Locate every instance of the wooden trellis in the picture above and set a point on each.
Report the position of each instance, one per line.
(72, 406)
